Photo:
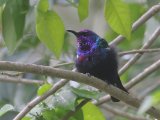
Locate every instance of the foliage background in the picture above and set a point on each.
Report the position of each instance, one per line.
(27, 48)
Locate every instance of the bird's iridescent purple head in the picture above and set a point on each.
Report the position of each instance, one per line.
(85, 39)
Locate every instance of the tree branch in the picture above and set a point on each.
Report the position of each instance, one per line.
(145, 17)
(138, 55)
(45, 70)
(155, 66)
(139, 51)
(59, 73)
(63, 64)
(149, 89)
(121, 113)
(146, 72)
(20, 80)
(78, 77)
(12, 74)
(39, 99)
(66, 74)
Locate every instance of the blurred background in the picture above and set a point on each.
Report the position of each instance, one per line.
(30, 50)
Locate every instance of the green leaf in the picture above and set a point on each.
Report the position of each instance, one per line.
(65, 99)
(3, 2)
(49, 115)
(85, 93)
(44, 88)
(79, 115)
(13, 21)
(62, 112)
(156, 97)
(5, 109)
(83, 9)
(136, 11)
(118, 17)
(43, 6)
(92, 112)
(27, 118)
(49, 28)
(28, 42)
(137, 36)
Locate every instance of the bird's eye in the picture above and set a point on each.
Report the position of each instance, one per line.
(85, 34)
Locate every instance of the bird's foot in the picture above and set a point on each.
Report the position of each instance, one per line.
(88, 74)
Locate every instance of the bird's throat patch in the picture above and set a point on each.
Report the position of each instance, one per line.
(81, 58)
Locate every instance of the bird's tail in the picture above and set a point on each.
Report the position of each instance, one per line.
(119, 85)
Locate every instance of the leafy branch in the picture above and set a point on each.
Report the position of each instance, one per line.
(139, 51)
(20, 80)
(78, 77)
(145, 17)
(122, 113)
(45, 16)
(151, 40)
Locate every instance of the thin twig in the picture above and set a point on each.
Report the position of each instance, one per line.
(139, 51)
(20, 80)
(153, 37)
(155, 66)
(12, 74)
(121, 113)
(145, 17)
(39, 99)
(78, 107)
(149, 70)
(78, 77)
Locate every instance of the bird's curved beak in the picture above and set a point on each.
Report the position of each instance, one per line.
(74, 32)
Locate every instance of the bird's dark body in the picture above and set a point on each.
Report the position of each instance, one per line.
(101, 65)
(97, 59)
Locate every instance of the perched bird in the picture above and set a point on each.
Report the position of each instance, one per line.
(96, 57)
